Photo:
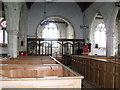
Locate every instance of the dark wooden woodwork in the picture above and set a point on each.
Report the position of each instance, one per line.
(67, 60)
(40, 46)
(101, 72)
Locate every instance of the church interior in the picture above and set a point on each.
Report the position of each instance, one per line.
(54, 44)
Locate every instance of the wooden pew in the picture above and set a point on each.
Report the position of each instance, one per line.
(38, 75)
(29, 60)
(101, 73)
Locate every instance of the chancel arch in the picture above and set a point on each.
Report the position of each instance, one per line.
(55, 27)
(56, 24)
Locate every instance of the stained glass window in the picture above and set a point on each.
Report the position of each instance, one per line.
(100, 35)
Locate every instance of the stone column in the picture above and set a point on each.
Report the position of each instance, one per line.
(110, 31)
(109, 44)
(23, 27)
(12, 14)
(119, 32)
(12, 46)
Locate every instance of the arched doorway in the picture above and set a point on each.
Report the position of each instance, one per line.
(98, 36)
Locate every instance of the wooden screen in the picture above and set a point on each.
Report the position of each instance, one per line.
(40, 46)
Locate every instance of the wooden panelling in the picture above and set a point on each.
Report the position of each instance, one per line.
(102, 72)
(117, 76)
(55, 82)
(110, 67)
(34, 71)
(66, 60)
(101, 77)
(109, 80)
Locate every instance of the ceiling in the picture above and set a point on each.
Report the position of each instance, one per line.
(82, 5)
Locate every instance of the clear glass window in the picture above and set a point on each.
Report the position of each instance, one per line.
(50, 31)
(100, 35)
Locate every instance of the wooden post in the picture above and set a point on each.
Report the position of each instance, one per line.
(51, 48)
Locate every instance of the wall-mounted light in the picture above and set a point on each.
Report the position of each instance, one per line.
(84, 27)
(117, 4)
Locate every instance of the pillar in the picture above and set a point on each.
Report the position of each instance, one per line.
(110, 22)
(109, 44)
(23, 28)
(12, 45)
(12, 14)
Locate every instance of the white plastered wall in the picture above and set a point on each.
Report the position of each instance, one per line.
(70, 11)
(22, 34)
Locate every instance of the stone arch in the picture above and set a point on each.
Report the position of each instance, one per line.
(61, 18)
(117, 34)
(97, 19)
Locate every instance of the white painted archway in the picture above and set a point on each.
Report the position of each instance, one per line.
(64, 31)
(100, 50)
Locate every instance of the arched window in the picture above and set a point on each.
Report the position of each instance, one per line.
(55, 27)
(3, 32)
(100, 35)
(50, 31)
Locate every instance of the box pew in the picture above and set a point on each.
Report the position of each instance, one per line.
(29, 60)
(21, 72)
(40, 75)
(102, 72)
(16, 71)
